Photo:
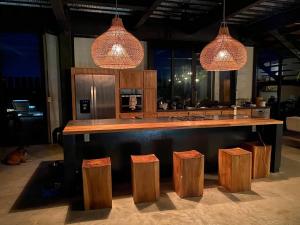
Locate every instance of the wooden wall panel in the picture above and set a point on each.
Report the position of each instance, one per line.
(150, 79)
(131, 79)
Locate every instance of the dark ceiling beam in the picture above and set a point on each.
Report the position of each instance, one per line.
(290, 29)
(287, 44)
(245, 9)
(106, 4)
(215, 15)
(58, 10)
(147, 14)
(274, 22)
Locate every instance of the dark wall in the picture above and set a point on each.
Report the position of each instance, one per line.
(22, 19)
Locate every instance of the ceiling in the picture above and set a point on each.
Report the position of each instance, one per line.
(253, 19)
(143, 11)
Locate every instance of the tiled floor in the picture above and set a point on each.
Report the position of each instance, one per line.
(273, 200)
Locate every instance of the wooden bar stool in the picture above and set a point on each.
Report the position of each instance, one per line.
(261, 158)
(145, 178)
(235, 169)
(188, 173)
(96, 177)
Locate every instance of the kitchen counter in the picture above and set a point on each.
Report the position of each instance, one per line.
(209, 108)
(117, 125)
(121, 138)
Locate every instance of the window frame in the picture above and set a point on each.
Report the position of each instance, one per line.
(195, 51)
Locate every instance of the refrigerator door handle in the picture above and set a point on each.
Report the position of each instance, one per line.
(92, 101)
(95, 102)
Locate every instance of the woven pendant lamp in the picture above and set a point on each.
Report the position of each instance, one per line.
(117, 48)
(224, 53)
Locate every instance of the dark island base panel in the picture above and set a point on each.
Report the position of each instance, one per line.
(120, 146)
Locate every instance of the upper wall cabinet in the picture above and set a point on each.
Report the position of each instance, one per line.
(150, 79)
(131, 79)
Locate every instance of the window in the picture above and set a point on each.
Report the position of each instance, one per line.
(163, 65)
(182, 74)
(179, 73)
(21, 66)
(203, 83)
(21, 70)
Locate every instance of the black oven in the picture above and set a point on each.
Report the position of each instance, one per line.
(134, 95)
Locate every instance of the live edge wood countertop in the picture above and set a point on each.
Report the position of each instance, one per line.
(121, 125)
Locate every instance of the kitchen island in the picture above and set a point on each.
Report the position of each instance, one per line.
(120, 138)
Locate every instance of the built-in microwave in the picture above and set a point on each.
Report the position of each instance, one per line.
(131, 100)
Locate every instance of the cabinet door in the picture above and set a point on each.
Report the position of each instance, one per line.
(150, 79)
(197, 113)
(227, 112)
(244, 112)
(212, 112)
(131, 79)
(172, 114)
(150, 100)
(130, 115)
(150, 115)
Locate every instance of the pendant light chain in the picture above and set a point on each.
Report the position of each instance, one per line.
(224, 2)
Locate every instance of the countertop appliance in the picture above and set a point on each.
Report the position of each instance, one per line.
(261, 112)
(95, 96)
(126, 95)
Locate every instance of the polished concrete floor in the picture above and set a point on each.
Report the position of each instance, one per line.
(274, 200)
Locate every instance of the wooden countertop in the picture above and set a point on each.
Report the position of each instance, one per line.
(208, 108)
(121, 125)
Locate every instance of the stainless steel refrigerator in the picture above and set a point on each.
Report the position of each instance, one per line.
(95, 96)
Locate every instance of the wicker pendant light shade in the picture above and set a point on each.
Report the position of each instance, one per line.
(224, 53)
(117, 48)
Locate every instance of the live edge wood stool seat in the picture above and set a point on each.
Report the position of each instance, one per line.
(145, 178)
(96, 177)
(235, 169)
(261, 158)
(188, 173)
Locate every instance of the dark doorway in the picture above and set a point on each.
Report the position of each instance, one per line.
(227, 87)
(23, 98)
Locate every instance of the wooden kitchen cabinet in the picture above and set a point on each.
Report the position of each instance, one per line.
(213, 112)
(130, 115)
(227, 112)
(172, 114)
(197, 113)
(244, 112)
(131, 79)
(150, 79)
(150, 115)
(150, 94)
(150, 100)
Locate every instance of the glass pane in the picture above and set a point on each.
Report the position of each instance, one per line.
(183, 75)
(21, 66)
(203, 85)
(162, 63)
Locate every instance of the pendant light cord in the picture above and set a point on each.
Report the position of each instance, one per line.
(117, 13)
(224, 22)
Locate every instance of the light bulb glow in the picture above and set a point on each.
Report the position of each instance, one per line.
(223, 55)
(117, 50)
